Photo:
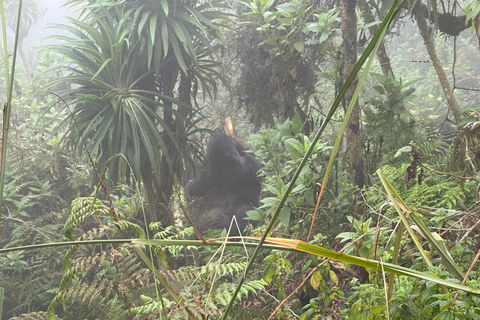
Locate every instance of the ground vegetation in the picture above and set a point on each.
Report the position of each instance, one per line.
(370, 210)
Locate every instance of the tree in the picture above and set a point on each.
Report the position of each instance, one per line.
(381, 52)
(419, 12)
(31, 12)
(136, 66)
(349, 35)
(279, 69)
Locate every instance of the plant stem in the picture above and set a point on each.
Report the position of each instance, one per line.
(8, 105)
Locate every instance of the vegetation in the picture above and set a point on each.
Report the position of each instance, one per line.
(370, 195)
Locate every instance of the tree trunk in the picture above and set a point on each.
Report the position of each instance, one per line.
(352, 134)
(424, 32)
(165, 186)
(159, 185)
(165, 191)
(381, 52)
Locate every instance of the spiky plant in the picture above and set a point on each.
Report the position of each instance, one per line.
(134, 68)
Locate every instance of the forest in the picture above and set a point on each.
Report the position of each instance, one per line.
(224, 159)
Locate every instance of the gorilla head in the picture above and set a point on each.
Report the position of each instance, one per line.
(228, 187)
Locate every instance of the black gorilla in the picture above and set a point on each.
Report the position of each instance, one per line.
(231, 187)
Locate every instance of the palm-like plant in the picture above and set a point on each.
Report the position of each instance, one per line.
(31, 13)
(126, 61)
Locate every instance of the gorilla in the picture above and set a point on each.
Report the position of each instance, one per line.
(228, 187)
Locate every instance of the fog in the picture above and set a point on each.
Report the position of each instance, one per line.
(53, 13)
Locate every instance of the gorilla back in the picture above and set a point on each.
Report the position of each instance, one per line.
(230, 188)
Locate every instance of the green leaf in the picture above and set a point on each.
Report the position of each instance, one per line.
(164, 36)
(368, 263)
(316, 279)
(406, 149)
(270, 201)
(299, 45)
(101, 68)
(253, 215)
(153, 28)
(298, 188)
(284, 216)
(142, 22)
(333, 276)
(294, 148)
(379, 89)
(164, 5)
(433, 238)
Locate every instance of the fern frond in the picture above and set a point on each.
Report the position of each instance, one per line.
(124, 225)
(224, 292)
(89, 235)
(82, 209)
(39, 315)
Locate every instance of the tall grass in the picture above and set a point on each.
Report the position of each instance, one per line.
(7, 108)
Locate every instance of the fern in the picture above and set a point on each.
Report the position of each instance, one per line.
(151, 306)
(436, 190)
(101, 279)
(223, 293)
(40, 315)
(442, 192)
(97, 279)
(169, 233)
(84, 208)
(77, 284)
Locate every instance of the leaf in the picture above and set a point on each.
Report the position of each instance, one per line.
(407, 149)
(142, 22)
(313, 26)
(153, 27)
(408, 92)
(379, 89)
(299, 46)
(298, 188)
(253, 215)
(270, 201)
(164, 5)
(294, 148)
(433, 238)
(101, 68)
(288, 8)
(316, 279)
(284, 216)
(367, 263)
(333, 276)
(164, 37)
(368, 25)
(229, 126)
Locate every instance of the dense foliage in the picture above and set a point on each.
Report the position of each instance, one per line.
(141, 85)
